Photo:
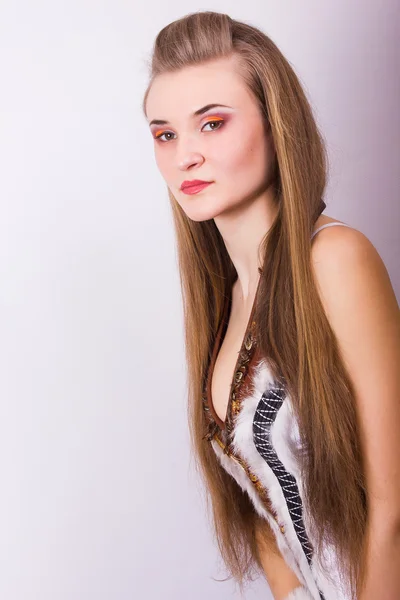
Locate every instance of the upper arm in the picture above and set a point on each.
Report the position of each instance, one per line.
(362, 310)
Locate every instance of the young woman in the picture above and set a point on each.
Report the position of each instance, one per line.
(292, 325)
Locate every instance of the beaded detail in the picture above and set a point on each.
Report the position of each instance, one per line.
(245, 355)
(224, 437)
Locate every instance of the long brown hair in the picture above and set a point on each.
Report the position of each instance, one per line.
(293, 333)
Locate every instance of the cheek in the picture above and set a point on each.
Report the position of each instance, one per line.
(162, 163)
(167, 169)
(250, 155)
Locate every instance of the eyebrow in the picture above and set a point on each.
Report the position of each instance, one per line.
(198, 112)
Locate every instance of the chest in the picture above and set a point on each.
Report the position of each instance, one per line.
(225, 366)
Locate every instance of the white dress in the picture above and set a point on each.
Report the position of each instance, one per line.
(263, 457)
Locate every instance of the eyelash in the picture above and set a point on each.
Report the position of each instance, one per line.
(219, 122)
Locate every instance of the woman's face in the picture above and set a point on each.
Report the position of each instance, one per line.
(227, 145)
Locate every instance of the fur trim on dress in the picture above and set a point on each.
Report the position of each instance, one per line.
(299, 593)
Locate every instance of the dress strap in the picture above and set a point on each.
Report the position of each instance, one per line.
(328, 225)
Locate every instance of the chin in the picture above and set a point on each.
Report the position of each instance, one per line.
(199, 209)
(198, 217)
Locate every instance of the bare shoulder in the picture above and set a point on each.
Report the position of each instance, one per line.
(351, 277)
(337, 247)
(339, 253)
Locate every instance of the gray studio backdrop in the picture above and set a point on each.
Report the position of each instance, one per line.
(98, 494)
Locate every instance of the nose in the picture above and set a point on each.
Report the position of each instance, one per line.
(190, 160)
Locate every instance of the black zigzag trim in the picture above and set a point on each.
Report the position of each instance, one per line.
(264, 417)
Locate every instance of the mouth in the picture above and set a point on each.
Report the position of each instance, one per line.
(195, 188)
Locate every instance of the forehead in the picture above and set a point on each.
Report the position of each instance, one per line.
(177, 94)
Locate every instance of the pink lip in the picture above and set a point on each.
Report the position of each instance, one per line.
(194, 189)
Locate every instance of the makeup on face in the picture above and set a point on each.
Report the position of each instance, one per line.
(195, 189)
(218, 119)
(196, 113)
(217, 116)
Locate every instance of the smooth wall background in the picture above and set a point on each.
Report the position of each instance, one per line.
(99, 498)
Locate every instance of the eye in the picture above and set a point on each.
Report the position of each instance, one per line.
(159, 136)
(218, 122)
